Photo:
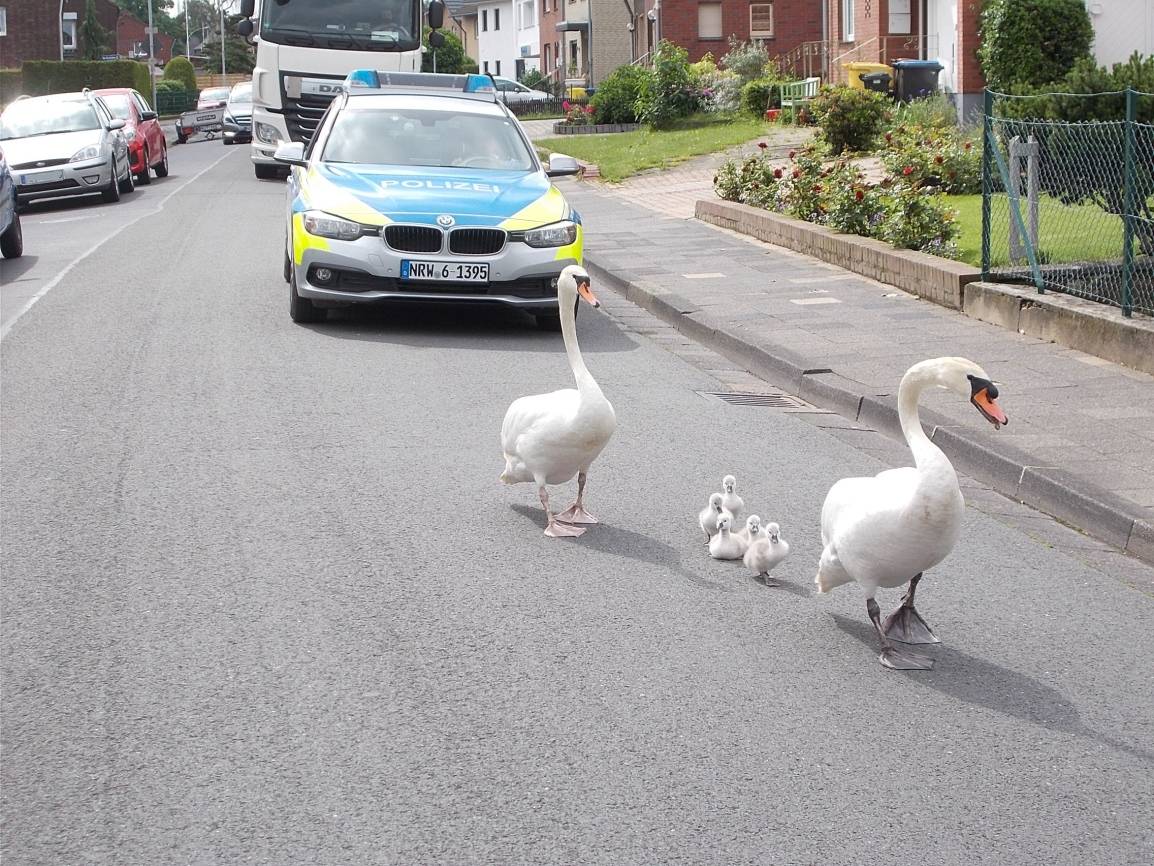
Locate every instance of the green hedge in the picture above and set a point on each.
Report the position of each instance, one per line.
(53, 76)
(179, 69)
(11, 83)
(143, 82)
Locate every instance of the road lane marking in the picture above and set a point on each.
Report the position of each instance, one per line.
(55, 281)
(67, 220)
(809, 302)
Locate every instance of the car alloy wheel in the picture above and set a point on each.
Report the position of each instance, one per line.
(129, 182)
(112, 193)
(162, 166)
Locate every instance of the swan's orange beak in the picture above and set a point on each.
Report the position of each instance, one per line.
(584, 291)
(984, 396)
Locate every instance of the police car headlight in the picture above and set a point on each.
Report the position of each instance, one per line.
(267, 133)
(555, 235)
(325, 225)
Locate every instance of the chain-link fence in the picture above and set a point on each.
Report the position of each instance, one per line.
(1068, 192)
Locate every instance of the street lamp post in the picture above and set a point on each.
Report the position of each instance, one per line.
(223, 69)
(187, 34)
(60, 30)
(151, 61)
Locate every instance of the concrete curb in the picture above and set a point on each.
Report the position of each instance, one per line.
(976, 452)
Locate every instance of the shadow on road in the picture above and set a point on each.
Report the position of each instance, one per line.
(606, 538)
(980, 683)
(474, 327)
(12, 269)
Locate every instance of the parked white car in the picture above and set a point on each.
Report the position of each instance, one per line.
(513, 91)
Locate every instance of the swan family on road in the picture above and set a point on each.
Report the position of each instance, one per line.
(885, 531)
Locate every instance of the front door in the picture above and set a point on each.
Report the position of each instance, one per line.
(941, 40)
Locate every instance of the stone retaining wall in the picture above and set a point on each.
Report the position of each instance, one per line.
(935, 279)
(560, 128)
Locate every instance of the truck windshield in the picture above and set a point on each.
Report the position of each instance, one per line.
(364, 25)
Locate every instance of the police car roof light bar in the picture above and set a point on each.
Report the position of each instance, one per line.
(472, 83)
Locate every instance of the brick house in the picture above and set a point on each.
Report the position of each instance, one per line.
(32, 31)
(886, 30)
(132, 40)
(582, 41)
(783, 26)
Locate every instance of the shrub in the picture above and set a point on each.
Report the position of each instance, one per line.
(616, 98)
(143, 82)
(577, 114)
(720, 92)
(1032, 42)
(746, 60)
(11, 85)
(760, 94)
(941, 157)
(535, 80)
(850, 119)
(179, 69)
(835, 194)
(667, 94)
(41, 77)
(934, 110)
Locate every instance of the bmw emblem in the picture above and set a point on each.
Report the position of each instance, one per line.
(445, 221)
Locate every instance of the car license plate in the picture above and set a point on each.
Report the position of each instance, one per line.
(41, 177)
(455, 272)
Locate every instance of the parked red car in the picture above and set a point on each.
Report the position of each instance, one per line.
(147, 147)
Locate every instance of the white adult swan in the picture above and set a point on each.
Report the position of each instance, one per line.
(549, 438)
(886, 530)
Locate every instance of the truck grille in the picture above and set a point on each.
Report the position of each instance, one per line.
(303, 115)
(413, 239)
(476, 242)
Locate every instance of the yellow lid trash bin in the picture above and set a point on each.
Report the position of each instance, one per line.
(858, 68)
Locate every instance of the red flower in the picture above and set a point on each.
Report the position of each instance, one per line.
(889, 136)
(589, 109)
(966, 145)
(762, 145)
(938, 160)
(777, 173)
(859, 195)
(792, 154)
(908, 170)
(817, 187)
(797, 172)
(565, 105)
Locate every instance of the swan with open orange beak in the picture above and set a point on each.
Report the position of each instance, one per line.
(984, 396)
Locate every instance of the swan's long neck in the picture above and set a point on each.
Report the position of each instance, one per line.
(916, 380)
(585, 381)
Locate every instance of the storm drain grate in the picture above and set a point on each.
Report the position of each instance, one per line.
(770, 401)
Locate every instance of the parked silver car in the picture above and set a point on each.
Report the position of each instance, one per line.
(65, 144)
(514, 91)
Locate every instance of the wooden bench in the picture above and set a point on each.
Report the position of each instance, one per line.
(798, 93)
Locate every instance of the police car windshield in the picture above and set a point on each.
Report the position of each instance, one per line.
(427, 137)
(363, 24)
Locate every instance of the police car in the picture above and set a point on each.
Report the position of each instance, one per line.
(420, 187)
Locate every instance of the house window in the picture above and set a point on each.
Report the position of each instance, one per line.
(708, 20)
(496, 19)
(484, 19)
(847, 20)
(3, 20)
(761, 20)
(68, 31)
(900, 16)
(485, 67)
(498, 67)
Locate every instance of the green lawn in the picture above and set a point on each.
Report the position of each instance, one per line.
(626, 153)
(1066, 233)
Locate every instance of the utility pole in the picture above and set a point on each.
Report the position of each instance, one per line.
(223, 69)
(187, 34)
(60, 30)
(151, 61)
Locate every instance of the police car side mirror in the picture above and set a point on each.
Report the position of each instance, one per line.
(291, 153)
(561, 165)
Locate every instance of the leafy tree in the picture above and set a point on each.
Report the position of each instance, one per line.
(238, 57)
(450, 57)
(94, 39)
(1032, 42)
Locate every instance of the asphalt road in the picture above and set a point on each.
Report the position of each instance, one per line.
(264, 601)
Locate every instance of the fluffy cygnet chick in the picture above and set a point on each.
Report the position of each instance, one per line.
(707, 519)
(725, 545)
(766, 553)
(730, 501)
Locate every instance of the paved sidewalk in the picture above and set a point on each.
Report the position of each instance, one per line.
(1080, 444)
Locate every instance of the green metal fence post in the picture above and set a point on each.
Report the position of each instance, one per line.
(987, 191)
(1131, 206)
